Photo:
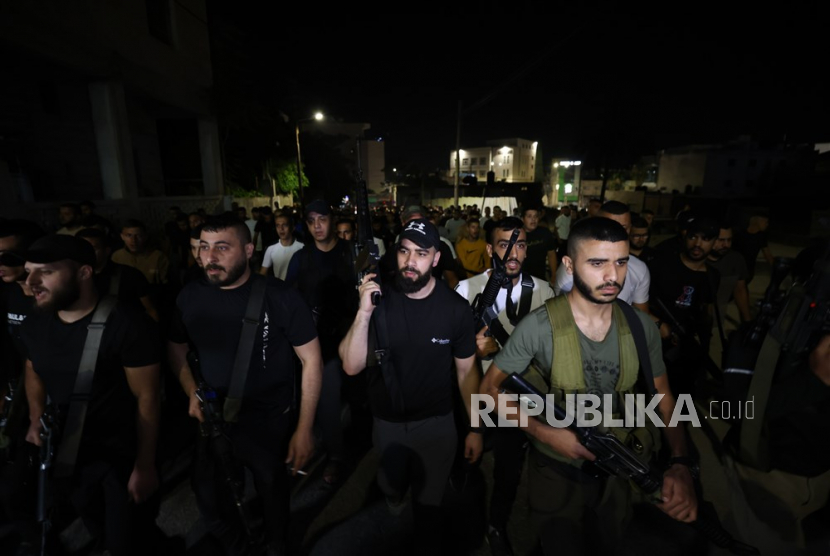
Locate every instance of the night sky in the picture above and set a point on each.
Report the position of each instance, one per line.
(591, 84)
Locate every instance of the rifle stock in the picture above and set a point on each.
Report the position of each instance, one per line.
(615, 458)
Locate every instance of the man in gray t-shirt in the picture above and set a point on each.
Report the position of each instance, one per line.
(561, 493)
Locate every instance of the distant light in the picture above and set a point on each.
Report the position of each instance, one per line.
(318, 116)
(557, 187)
(556, 165)
(569, 187)
(394, 169)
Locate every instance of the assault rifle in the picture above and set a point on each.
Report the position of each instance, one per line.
(214, 430)
(484, 311)
(48, 423)
(613, 458)
(366, 252)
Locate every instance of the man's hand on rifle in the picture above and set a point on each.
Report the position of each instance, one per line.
(485, 345)
(564, 442)
(367, 287)
(143, 483)
(300, 450)
(33, 434)
(678, 494)
(195, 408)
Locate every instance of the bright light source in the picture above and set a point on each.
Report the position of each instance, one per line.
(557, 187)
(556, 165)
(318, 116)
(569, 187)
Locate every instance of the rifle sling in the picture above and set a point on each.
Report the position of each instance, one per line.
(379, 355)
(639, 335)
(68, 451)
(244, 351)
(497, 328)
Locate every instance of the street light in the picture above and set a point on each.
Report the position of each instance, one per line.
(318, 116)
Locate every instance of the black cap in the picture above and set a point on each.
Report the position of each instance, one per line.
(705, 226)
(422, 233)
(319, 206)
(59, 247)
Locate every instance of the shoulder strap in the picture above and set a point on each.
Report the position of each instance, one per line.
(250, 324)
(68, 452)
(639, 334)
(380, 355)
(526, 296)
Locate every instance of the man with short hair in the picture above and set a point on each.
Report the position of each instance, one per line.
(69, 216)
(454, 224)
(323, 272)
(426, 332)
(212, 312)
(115, 468)
(541, 246)
(732, 274)
(126, 283)
(681, 295)
(136, 253)
(638, 240)
(472, 251)
(563, 493)
(638, 278)
(278, 256)
(515, 299)
(594, 205)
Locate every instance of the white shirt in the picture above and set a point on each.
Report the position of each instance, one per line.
(563, 226)
(635, 289)
(278, 256)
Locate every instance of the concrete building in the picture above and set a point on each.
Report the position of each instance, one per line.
(513, 160)
(372, 157)
(109, 102)
(740, 168)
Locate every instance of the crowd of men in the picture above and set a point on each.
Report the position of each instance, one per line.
(264, 327)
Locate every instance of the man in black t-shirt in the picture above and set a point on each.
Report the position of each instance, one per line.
(115, 472)
(541, 259)
(681, 295)
(427, 331)
(212, 312)
(323, 272)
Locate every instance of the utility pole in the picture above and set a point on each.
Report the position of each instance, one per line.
(457, 153)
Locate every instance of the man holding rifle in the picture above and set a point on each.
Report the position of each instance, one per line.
(262, 434)
(414, 344)
(518, 294)
(595, 353)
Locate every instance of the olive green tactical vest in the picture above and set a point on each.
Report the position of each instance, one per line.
(566, 376)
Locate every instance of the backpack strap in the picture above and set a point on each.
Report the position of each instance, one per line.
(245, 349)
(68, 452)
(639, 334)
(379, 355)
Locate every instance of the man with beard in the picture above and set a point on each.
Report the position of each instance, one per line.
(323, 272)
(590, 350)
(423, 330)
(635, 289)
(732, 272)
(638, 240)
(212, 312)
(69, 215)
(195, 269)
(115, 477)
(520, 295)
(681, 295)
(125, 282)
(278, 256)
(136, 253)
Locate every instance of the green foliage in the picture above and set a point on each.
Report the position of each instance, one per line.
(239, 192)
(284, 172)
